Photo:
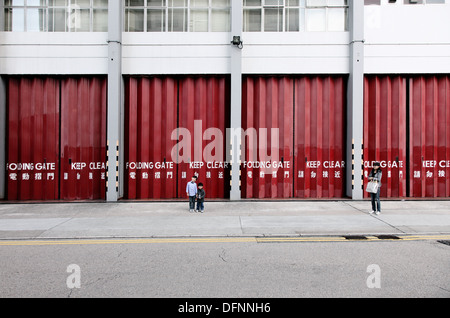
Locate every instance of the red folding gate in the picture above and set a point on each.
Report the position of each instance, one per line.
(151, 116)
(204, 112)
(267, 120)
(33, 139)
(410, 139)
(175, 128)
(295, 142)
(430, 136)
(320, 137)
(56, 138)
(385, 132)
(83, 138)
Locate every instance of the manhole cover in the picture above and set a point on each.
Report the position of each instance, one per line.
(387, 237)
(446, 242)
(355, 237)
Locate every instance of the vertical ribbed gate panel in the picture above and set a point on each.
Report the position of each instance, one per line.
(56, 138)
(297, 126)
(406, 128)
(83, 138)
(33, 139)
(267, 121)
(385, 132)
(204, 111)
(320, 137)
(175, 128)
(151, 116)
(429, 136)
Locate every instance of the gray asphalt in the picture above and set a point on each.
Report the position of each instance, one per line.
(234, 249)
(218, 270)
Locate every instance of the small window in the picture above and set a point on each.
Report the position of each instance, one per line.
(295, 15)
(326, 15)
(56, 15)
(177, 16)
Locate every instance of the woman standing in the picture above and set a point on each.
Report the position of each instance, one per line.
(375, 175)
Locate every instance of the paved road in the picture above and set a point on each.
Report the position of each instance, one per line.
(225, 267)
(235, 249)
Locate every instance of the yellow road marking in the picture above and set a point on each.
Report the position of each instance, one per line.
(300, 239)
(296, 239)
(424, 237)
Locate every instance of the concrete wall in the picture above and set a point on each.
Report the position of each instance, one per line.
(176, 53)
(403, 38)
(398, 39)
(53, 53)
(299, 52)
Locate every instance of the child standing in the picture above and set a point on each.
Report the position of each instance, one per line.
(191, 191)
(200, 198)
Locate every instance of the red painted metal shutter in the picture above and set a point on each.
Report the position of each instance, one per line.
(311, 136)
(267, 120)
(203, 118)
(83, 138)
(319, 137)
(430, 136)
(385, 132)
(151, 117)
(33, 139)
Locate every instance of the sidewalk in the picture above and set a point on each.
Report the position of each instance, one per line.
(246, 218)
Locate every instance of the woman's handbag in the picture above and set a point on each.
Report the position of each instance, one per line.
(372, 187)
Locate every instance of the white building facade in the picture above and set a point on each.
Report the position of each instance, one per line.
(343, 83)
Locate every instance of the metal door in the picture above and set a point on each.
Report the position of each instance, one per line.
(267, 121)
(175, 128)
(429, 143)
(83, 138)
(203, 117)
(151, 118)
(320, 137)
(385, 122)
(33, 138)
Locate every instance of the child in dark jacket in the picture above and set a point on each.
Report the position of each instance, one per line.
(200, 198)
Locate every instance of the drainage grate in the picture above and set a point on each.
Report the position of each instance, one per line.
(355, 237)
(387, 237)
(446, 242)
